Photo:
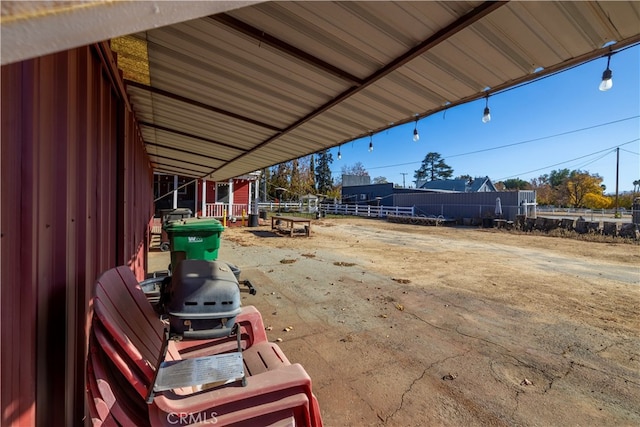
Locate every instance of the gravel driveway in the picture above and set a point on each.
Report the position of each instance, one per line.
(403, 325)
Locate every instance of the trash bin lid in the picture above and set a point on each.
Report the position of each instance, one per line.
(194, 224)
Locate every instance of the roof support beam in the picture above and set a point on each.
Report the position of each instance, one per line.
(174, 171)
(168, 147)
(190, 135)
(199, 104)
(445, 33)
(285, 47)
(158, 156)
(178, 167)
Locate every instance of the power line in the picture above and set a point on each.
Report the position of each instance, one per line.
(582, 165)
(608, 150)
(512, 144)
(631, 152)
(543, 137)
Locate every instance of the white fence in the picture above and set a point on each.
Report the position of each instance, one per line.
(584, 212)
(217, 210)
(285, 206)
(366, 210)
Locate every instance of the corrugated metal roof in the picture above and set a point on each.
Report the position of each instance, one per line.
(238, 91)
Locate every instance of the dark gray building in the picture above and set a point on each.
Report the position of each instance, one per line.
(480, 202)
(454, 205)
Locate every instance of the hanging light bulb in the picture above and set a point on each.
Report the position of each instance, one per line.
(339, 154)
(370, 142)
(416, 135)
(486, 116)
(607, 81)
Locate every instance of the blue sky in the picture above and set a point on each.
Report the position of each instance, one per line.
(574, 126)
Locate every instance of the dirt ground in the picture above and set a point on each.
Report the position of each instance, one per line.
(405, 325)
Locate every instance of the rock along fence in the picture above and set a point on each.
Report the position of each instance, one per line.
(580, 226)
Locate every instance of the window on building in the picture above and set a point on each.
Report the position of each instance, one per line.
(222, 193)
(163, 185)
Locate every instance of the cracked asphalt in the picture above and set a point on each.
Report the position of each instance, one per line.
(404, 325)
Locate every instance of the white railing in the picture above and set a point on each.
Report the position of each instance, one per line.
(367, 210)
(583, 211)
(217, 210)
(284, 206)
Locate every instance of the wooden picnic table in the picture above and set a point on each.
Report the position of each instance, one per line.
(289, 222)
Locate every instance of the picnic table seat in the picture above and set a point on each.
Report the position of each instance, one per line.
(126, 344)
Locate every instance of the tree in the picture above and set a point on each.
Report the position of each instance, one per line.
(544, 192)
(279, 179)
(380, 180)
(294, 178)
(357, 169)
(324, 182)
(433, 167)
(557, 177)
(597, 201)
(625, 200)
(312, 173)
(516, 184)
(579, 185)
(302, 180)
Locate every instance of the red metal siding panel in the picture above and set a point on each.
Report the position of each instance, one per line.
(211, 191)
(62, 126)
(17, 311)
(74, 364)
(49, 166)
(241, 192)
(136, 186)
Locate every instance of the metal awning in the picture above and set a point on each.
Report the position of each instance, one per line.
(248, 88)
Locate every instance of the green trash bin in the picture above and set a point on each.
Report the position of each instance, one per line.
(193, 238)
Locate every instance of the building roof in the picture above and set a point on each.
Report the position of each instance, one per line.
(459, 185)
(238, 88)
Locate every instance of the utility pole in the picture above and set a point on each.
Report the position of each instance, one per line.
(403, 175)
(617, 174)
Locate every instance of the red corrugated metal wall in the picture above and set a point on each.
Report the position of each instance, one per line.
(211, 191)
(241, 191)
(76, 196)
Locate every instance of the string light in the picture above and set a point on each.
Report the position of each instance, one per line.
(486, 116)
(370, 142)
(416, 135)
(607, 81)
(339, 153)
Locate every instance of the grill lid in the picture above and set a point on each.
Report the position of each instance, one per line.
(203, 289)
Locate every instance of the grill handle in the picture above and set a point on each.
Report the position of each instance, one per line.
(249, 285)
(207, 334)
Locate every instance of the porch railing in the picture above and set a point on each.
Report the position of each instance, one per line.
(217, 210)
